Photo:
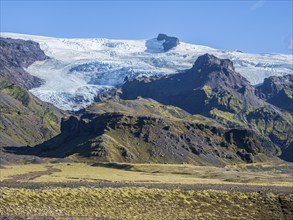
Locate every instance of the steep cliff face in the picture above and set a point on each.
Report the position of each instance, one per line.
(15, 55)
(214, 89)
(278, 90)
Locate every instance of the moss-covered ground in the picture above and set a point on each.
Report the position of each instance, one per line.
(146, 191)
(267, 174)
(142, 203)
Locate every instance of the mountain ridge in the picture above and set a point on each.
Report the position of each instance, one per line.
(214, 89)
(159, 134)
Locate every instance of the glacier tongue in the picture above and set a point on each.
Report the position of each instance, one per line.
(80, 68)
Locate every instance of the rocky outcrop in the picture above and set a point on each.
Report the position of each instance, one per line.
(169, 42)
(15, 55)
(278, 90)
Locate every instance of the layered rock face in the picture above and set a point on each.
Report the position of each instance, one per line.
(169, 42)
(14, 57)
(278, 90)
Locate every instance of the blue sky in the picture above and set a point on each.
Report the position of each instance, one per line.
(251, 26)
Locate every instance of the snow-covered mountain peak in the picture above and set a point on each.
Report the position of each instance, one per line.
(78, 69)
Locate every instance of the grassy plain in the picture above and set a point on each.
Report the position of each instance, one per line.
(255, 174)
(148, 195)
(142, 203)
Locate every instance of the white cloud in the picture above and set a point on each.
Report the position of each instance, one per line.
(257, 5)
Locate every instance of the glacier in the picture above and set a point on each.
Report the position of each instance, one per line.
(79, 69)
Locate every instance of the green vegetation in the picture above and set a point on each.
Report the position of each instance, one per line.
(25, 120)
(208, 90)
(228, 102)
(226, 117)
(139, 106)
(271, 124)
(14, 170)
(16, 92)
(289, 93)
(140, 131)
(253, 174)
(51, 121)
(160, 201)
(141, 203)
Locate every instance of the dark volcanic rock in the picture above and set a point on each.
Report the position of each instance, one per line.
(15, 55)
(278, 90)
(70, 125)
(169, 42)
(247, 140)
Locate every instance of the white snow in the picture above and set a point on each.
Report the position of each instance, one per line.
(80, 68)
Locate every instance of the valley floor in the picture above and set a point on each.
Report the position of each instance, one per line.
(146, 191)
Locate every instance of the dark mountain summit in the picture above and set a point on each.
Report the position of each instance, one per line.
(278, 90)
(217, 73)
(15, 55)
(210, 83)
(169, 42)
